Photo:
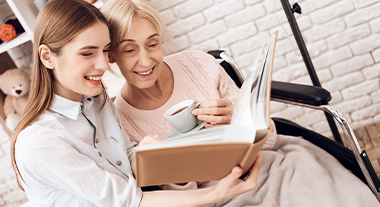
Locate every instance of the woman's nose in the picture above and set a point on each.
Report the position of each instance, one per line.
(102, 62)
(144, 58)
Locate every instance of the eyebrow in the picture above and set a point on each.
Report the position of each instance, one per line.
(93, 47)
(130, 40)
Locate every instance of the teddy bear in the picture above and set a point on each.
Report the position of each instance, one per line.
(15, 83)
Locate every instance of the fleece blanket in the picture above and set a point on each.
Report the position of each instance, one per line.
(298, 173)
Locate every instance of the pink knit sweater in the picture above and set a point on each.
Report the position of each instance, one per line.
(197, 76)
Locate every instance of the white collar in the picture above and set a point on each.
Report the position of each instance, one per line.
(65, 107)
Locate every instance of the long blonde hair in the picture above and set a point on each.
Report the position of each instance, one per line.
(119, 14)
(57, 24)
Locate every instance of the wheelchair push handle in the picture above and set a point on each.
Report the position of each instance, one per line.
(215, 53)
(370, 169)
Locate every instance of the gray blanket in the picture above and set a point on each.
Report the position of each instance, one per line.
(297, 173)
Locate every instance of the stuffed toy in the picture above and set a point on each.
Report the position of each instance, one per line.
(15, 83)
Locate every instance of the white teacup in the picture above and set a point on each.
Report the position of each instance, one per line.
(180, 116)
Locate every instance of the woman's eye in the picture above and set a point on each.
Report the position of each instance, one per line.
(106, 50)
(86, 54)
(153, 45)
(129, 51)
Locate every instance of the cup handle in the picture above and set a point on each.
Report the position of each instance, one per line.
(197, 104)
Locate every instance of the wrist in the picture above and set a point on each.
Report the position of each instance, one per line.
(210, 196)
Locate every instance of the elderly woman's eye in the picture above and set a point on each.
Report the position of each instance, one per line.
(86, 54)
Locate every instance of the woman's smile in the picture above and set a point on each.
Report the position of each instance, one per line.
(94, 79)
(145, 74)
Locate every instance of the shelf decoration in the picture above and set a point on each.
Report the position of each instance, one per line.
(16, 24)
(91, 1)
(10, 30)
(7, 32)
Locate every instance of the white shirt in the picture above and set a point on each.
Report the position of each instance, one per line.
(64, 163)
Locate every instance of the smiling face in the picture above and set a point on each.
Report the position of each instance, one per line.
(140, 54)
(82, 62)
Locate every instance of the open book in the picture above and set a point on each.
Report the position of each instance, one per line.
(210, 154)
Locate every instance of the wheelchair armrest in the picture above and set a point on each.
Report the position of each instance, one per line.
(306, 94)
(299, 93)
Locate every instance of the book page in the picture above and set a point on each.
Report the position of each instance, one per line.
(252, 105)
(242, 109)
(226, 133)
(262, 113)
(261, 95)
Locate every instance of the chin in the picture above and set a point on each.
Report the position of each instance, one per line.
(93, 93)
(145, 86)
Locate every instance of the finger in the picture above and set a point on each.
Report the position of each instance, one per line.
(234, 175)
(216, 102)
(252, 178)
(158, 138)
(213, 125)
(237, 171)
(149, 139)
(213, 111)
(215, 119)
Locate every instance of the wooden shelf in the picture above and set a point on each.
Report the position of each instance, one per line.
(20, 39)
(26, 13)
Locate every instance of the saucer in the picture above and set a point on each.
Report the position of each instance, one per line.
(174, 132)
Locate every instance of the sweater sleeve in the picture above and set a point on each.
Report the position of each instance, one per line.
(226, 86)
(271, 141)
(173, 186)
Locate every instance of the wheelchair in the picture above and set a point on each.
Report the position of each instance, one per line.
(355, 159)
(315, 97)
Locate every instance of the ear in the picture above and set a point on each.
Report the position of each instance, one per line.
(110, 58)
(46, 56)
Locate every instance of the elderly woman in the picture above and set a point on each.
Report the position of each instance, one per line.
(155, 83)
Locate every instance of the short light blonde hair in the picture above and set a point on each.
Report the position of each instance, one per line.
(119, 14)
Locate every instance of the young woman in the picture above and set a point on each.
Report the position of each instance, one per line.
(155, 83)
(69, 148)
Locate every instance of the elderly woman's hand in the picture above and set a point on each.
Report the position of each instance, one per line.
(216, 112)
(149, 140)
(232, 186)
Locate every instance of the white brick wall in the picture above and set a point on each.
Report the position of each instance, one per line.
(343, 39)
